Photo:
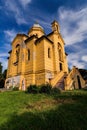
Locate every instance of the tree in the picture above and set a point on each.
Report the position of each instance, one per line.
(5, 73)
(2, 76)
(1, 70)
(2, 82)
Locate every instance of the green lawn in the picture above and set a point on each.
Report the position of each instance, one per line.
(22, 111)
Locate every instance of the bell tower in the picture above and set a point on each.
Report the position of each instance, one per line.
(55, 26)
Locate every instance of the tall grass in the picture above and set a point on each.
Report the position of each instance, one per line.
(65, 111)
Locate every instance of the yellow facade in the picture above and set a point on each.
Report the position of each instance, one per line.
(37, 58)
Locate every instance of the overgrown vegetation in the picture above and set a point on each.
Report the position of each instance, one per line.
(15, 88)
(2, 76)
(23, 111)
(33, 89)
(44, 88)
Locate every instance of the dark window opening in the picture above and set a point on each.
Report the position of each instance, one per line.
(60, 56)
(56, 27)
(17, 56)
(79, 82)
(17, 45)
(17, 52)
(60, 52)
(28, 54)
(61, 68)
(49, 53)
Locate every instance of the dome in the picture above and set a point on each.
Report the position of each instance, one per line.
(36, 25)
(36, 30)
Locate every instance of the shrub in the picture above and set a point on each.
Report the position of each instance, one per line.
(2, 81)
(45, 88)
(15, 89)
(33, 89)
(55, 91)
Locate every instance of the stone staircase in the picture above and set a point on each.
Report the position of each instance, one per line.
(58, 80)
(60, 84)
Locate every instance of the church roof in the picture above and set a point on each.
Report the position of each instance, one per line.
(7, 57)
(59, 35)
(41, 38)
(66, 53)
(30, 38)
(54, 22)
(50, 33)
(22, 34)
(19, 35)
(10, 51)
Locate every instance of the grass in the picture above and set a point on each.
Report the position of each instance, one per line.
(22, 111)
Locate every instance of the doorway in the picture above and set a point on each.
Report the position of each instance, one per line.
(79, 82)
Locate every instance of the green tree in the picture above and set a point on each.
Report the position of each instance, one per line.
(4, 73)
(1, 70)
(2, 76)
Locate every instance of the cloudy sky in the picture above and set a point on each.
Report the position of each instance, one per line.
(17, 16)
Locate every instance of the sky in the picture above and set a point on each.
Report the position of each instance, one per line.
(18, 16)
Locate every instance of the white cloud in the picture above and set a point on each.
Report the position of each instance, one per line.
(7, 46)
(4, 62)
(78, 57)
(73, 24)
(74, 60)
(3, 55)
(10, 34)
(14, 8)
(24, 2)
(74, 30)
(84, 58)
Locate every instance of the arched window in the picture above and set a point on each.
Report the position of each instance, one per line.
(28, 54)
(60, 55)
(60, 52)
(17, 46)
(17, 52)
(17, 56)
(49, 53)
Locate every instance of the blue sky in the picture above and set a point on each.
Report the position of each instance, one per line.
(17, 16)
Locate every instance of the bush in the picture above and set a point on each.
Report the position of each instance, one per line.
(2, 81)
(45, 88)
(55, 91)
(15, 89)
(33, 89)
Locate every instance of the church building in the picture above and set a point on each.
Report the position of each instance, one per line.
(37, 58)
